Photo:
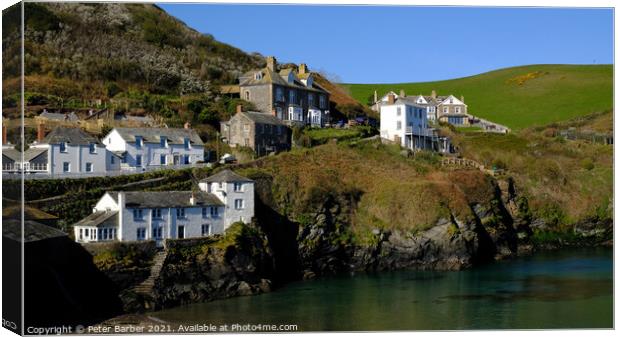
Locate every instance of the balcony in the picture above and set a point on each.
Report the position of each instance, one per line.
(425, 132)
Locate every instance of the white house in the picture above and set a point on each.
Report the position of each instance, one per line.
(223, 199)
(68, 150)
(404, 121)
(141, 148)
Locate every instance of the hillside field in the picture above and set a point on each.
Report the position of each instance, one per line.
(518, 97)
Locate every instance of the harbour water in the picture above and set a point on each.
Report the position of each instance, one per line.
(549, 290)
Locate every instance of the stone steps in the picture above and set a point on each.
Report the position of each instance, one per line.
(146, 287)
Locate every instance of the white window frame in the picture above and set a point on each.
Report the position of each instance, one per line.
(141, 233)
(399, 125)
(239, 204)
(205, 229)
(214, 212)
(181, 213)
(238, 187)
(63, 147)
(156, 213)
(138, 214)
(86, 167)
(66, 166)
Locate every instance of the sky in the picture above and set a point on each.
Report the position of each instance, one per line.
(394, 44)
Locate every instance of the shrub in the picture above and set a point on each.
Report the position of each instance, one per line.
(587, 164)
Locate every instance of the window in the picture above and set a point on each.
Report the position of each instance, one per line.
(92, 147)
(311, 100)
(206, 229)
(141, 233)
(181, 232)
(457, 109)
(186, 159)
(238, 187)
(112, 159)
(89, 167)
(63, 147)
(322, 102)
(205, 212)
(279, 95)
(258, 76)
(247, 95)
(246, 127)
(156, 213)
(81, 234)
(137, 214)
(445, 109)
(186, 142)
(66, 166)
(398, 111)
(238, 203)
(291, 97)
(162, 159)
(163, 141)
(398, 125)
(214, 212)
(180, 213)
(124, 158)
(157, 232)
(138, 160)
(139, 142)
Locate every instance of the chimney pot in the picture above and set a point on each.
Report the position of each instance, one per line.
(302, 68)
(434, 94)
(391, 98)
(239, 108)
(462, 98)
(402, 93)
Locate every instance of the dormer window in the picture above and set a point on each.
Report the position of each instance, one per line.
(92, 147)
(163, 141)
(63, 147)
(139, 142)
(186, 143)
(258, 76)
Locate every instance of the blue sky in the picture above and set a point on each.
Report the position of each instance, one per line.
(375, 44)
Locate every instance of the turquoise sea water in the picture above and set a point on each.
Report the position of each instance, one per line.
(551, 290)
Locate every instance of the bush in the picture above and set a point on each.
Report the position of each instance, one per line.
(587, 164)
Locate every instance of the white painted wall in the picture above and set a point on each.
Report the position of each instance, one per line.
(410, 116)
(77, 156)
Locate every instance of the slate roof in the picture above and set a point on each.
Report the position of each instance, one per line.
(12, 210)
(34, 152)
(12, 154)
(59, 116)
(411, 100)
(33, 231)
(226, 176)
(262, 118)
(73, 136)
(167, 199)
(98, 218)
(152, 135)
(271, 77)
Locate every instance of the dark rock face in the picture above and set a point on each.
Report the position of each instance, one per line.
(204, 272)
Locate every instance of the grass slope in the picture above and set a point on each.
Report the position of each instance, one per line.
(521, 96)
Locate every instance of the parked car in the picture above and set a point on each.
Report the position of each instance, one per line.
(228, 159)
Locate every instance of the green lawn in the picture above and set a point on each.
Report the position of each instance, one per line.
(521, 96)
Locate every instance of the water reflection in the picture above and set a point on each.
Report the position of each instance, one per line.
(550, 290)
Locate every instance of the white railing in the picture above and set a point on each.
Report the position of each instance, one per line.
(26, 168)
(420, 131)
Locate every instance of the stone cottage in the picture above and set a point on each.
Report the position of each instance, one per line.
(261, 132)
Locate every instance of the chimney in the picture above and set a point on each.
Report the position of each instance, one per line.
(433, 94)
(462, 98)
(391, 98)
(239, 108)
(40, 133)
(192, 199)
(402, 93)
(375, 101)
(121, 208)
(4, 142)
(271, 63)
(302, 68)
(187, 125)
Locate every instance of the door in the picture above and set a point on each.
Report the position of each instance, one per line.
(181, 232)
(176, 159)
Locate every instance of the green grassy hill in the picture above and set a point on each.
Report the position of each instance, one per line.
(521, 96)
